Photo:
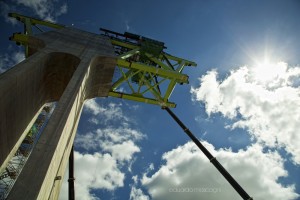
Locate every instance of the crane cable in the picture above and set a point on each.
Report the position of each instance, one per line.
(211, 158)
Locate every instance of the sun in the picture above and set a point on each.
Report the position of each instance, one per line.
(267, 70)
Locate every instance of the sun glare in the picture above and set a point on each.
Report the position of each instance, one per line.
(267, 70)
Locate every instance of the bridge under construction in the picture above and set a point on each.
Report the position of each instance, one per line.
(42, 98)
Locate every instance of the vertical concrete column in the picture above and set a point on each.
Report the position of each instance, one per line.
(23, 93)
(81, 65)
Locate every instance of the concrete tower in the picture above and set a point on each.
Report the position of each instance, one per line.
(68, 66)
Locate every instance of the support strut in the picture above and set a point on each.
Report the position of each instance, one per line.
(71, 175)
(212, 159)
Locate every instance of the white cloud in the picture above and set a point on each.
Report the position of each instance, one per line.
(108, 152)
(45, 9)
(106, 173)
(127, 25)
(92, 106)
(18, 57)
(150, 168)
(122, 151)
(135, 179)
(137, 194)
(267, 105)
(3, 63)
(4, 10)
(94, 171)
(187, 174)
(93, 120)
(105, 136)
(40, 7)
(111, 112)
(9, 60)
(119, 142)
(63, 10)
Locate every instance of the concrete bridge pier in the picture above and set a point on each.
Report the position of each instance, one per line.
(67, 66)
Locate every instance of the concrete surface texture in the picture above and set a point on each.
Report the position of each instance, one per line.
(67, 66)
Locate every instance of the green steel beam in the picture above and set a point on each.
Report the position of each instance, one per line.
(169, 90)
(180, 67)
(133, 46)
(123, 44)
(129, 53)
(181, 78)
(34, 21)
(20, 38)
(166, 71)
(167, 60)
(157, 61)
(126, 79)
(23, 40)
(141, 81)
(122, 79)
(187, 62)
(155, 85)
(153, 91)
(141, 99)
(28, 23)
(28, 26)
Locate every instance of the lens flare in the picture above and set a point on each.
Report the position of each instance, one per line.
(266, 70)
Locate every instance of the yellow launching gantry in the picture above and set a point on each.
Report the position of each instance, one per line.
(144, 73)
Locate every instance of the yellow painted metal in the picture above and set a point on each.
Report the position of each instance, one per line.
(123, 44)
(34, 21)
(157, 61)
(141, 99)
(132, 46)
(20, 38)
(181, 78)
(187, 62)
(129, 53)
(156, 66)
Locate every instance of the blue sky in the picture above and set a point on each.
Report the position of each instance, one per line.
(242, 100)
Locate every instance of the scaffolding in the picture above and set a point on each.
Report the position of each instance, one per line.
(16, 164)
